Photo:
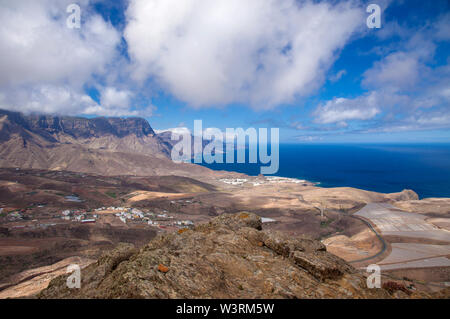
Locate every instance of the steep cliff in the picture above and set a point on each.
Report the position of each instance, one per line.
(107, 146)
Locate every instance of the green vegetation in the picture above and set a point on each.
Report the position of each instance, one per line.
(325, 224)
(111, 194)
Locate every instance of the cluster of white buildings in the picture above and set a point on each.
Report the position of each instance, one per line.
(181, 201)
(129, 214)
(111, 208)
(277, 180)
(78, 216)
(234, 181)
(184, 223)
(126, 214)
(262, 181)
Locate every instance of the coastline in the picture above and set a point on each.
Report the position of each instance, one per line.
(378, 168)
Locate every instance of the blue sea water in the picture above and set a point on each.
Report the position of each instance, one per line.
(381, 168)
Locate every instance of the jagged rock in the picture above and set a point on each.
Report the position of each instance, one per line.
(322, 265)
(284, 245)
(234, 222)
(109, 261)
(229, 257)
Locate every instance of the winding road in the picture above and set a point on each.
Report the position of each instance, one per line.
(383, 243)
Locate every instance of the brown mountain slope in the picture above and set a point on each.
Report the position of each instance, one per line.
(106, 146)
(230, 257)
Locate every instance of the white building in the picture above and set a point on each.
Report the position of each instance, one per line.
(66, 213)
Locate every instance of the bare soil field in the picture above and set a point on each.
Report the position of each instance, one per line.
(399, 223)
(415, 242)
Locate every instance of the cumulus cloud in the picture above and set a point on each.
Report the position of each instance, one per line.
(404, 88)
(37, 46)
(217, 52)
(64, 100)
(340, 110)
(398, 70)
(112, 97)
(45, 65)
(175, 130)
(46, 99)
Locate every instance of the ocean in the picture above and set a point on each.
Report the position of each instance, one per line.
(424, 168)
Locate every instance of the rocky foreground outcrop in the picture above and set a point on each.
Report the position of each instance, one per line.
(230, 257)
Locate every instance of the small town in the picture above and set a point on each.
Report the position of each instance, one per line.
(19, 219)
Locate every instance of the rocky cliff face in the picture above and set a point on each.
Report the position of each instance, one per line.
(97, 127)
(230, 257)
(77, 127)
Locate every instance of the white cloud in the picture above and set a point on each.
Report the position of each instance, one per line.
(210, 131)
(340, 110)
(46, 99)
(308, 138)
(416, 122)
(404, 86)
(118, 112)
(217, 52)
(297, 125)
(113, 98)
(175, 130)
(63, 100)
(398, 70)
(442, 28)
(37, 46)
(336, 77)
(45, 65)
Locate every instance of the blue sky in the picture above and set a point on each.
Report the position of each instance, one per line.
(311, 68)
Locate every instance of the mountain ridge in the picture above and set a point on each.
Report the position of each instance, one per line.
(109, 146)
(80, 126)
